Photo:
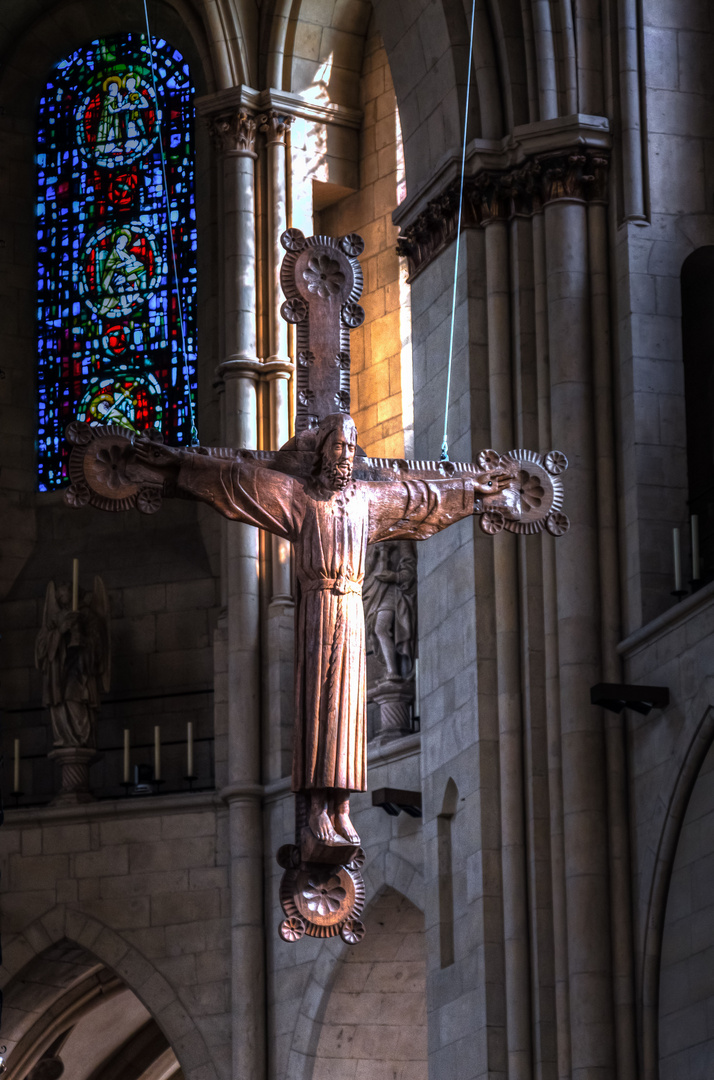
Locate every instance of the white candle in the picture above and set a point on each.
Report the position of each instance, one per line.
(157, 753)
(695, 547)
(677, 560)
(75, 584)
(126, 755)
(16, 771)
(189, 749)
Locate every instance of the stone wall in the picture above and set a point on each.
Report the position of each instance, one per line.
(143, 886)
(380, 347)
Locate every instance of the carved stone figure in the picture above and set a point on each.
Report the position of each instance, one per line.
(389, 597)
(72, 652)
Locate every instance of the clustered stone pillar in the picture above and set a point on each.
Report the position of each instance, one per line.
(585, 836)
(278, 367)
(235, 134)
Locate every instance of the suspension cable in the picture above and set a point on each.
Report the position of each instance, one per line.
(177, 284)
(445, 442)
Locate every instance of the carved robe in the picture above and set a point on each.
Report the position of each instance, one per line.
(329, 531)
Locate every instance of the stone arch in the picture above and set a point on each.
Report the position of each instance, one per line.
(442, 69)
(137, 972)
(666, 828)
(380, 878)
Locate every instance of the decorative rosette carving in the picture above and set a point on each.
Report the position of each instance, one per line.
(293, 240)
(353, 930)
(343, 361)
(489, 459)
(352, 245)
(323, 276)
(294, 310)
(79, 433)
(557, 523)
(292, 929)
(148, 500)
(104, 472)
(555, 462)
(342, 401)
(534, 496)
(324, 898)
(77, 495)
(352, 315)
(491, 522)
(305, 358)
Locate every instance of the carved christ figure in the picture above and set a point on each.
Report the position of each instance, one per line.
(330, 519)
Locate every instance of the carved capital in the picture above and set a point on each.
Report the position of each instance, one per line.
(274, 126)
(500, 194)
(234, 132)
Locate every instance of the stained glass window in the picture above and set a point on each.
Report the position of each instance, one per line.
(111, 346)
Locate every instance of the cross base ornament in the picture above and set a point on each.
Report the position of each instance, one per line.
(325, 496)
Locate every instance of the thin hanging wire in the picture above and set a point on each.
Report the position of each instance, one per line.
(187, 373)
(445, 442)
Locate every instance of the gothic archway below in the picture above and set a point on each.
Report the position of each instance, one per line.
(68, 1014)
(374, 1025)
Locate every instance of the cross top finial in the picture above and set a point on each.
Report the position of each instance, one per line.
(322, 281)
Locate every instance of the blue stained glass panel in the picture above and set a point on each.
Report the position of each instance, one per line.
(110, 346)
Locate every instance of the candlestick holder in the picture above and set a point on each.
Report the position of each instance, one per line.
(126, 784)
(157, 786)
(190, 780)
(679, 593)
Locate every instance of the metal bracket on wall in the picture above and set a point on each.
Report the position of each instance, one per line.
(392, 800)
(619, 696)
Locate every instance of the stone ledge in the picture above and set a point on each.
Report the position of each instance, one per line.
(669, 620)
(145, 805)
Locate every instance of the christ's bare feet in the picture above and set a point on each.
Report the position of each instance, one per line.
(342, 818)
(320, 824)
(345, 828)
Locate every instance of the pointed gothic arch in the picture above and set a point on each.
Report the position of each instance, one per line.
(93, 939)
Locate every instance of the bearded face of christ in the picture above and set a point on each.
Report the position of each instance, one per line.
(337, 459)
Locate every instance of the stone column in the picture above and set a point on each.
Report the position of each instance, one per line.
(275, 127)
(510, 721)
(585, 833)
(240, 370)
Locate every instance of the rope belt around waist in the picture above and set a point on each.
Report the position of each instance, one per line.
(341, 586)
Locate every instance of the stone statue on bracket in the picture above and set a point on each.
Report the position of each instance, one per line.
(322, 493)
(389, 596)
(73, 653)
(390, 610)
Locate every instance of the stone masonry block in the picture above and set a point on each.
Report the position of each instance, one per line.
(167, 909)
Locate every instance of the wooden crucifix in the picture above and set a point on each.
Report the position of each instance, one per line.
(322, 493)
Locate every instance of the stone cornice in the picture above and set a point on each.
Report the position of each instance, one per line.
(557, 135)
(493, 193)
(280, 101)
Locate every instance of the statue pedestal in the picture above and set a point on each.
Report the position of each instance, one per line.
(395, 699)
(75, 762)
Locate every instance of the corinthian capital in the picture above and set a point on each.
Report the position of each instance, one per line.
(234, 132)
(274, 125)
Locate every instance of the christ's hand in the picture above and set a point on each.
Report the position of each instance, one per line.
(163, 459)
(491, 483)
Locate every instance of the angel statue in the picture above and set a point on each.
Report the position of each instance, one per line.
(72, 652)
